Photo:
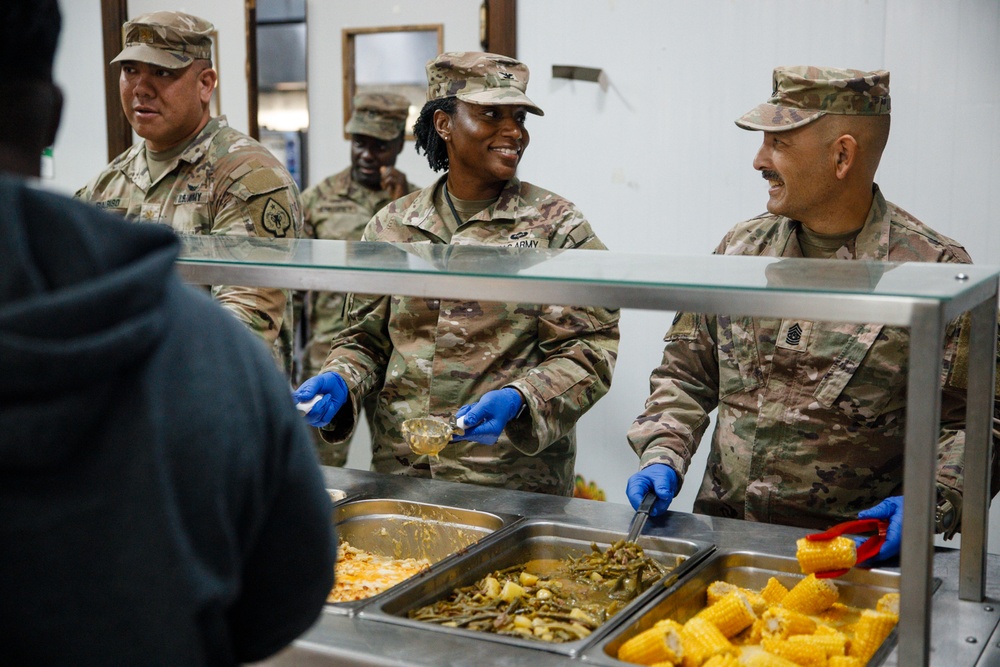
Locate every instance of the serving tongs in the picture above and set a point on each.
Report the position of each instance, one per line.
(641, 514)
(865, 550)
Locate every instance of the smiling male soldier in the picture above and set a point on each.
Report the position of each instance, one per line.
(192, 171)
(811, 415)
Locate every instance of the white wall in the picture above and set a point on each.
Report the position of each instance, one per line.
(655, 160)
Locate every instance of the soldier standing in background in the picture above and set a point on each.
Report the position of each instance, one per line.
(525, 372)
(339, 207)
(194, 172)
(811, 421)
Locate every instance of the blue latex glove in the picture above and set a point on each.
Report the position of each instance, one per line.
(334, 391)
(486, 419)
(892, 509)
(661, 478)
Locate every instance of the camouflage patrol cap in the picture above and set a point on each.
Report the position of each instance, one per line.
(479, 78)
(379, 115)
(803, 94)
(166, 39)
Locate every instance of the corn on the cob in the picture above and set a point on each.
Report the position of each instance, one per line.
(753, 634)
(833, 642)
(811, 595)
(888, 603)
(660, 643)
(844, 661)
(718, 590)
(701, 641)
(767, 660)
(801, 653)
(782, 623)
(725, 660)
(825, 555)
(774, 592)
(869, 633)
(837, 614)
(730, 614)
(757, 601)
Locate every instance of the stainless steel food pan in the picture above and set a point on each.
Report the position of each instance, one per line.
(408, 529)
(528, 541)
(336, 495)
(858, 588)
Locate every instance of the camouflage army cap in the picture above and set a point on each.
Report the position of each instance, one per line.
(803, 94)
(479, 78)
(167, 39)
(379, 115)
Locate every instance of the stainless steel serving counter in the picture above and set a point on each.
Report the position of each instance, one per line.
(921, 297)
(962, 633)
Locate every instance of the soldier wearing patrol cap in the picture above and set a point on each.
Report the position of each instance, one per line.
(192, 171)
(811, 415)
(340, 206)
(519, 374)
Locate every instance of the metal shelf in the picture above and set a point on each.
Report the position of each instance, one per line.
(918, 296)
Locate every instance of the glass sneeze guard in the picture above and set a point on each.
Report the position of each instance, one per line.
(922, 297)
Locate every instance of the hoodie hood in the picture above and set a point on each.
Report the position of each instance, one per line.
(81, 305)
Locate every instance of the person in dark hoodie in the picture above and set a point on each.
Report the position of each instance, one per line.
(160, 499)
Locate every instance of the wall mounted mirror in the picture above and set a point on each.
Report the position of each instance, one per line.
(390, 59)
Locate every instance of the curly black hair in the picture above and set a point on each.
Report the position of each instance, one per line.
(427, 138)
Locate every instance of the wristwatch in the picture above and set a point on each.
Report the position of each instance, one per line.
(948, 513)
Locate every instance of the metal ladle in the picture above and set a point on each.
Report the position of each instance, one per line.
(429, 435)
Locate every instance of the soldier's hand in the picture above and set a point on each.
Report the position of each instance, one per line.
(333, 390)
(892, 509)
(486, 419)
(658, 476)
(393, 181)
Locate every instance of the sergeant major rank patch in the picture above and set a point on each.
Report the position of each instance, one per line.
(275, 219)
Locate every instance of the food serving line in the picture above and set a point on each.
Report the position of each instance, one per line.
(962, 633)
(920, 297)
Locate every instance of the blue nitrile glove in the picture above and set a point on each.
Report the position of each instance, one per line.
(892, 509)
(486, 419)
(661, 478)
(334, 391)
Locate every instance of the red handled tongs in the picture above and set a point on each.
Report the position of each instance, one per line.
(865, 550)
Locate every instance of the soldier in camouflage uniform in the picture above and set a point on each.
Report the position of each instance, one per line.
(193, 172)
(525, 372)
(811, 415)
(339, 207)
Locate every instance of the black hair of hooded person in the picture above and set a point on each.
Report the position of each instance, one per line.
(29, 34)
(425, 136)
(30, 102)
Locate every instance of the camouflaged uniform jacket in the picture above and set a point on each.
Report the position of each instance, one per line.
(223, 183)
(336, 208)
(429, 356)
(811, 420)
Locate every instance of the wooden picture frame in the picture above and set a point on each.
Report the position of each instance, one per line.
(399, 68)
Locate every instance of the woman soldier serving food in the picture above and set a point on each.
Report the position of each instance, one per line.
(523, 373)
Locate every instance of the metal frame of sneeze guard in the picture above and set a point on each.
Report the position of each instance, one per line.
(919, 296)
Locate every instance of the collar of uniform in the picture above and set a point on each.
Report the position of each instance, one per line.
(422, 214)
(872, 242)
(199, 147)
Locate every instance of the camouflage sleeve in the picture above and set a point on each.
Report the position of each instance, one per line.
(580, 347)
(951, 444)
(684, 389)
(359, 354)
(262, 201)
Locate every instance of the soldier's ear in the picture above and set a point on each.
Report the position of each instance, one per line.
(442, 124)
(207, 80)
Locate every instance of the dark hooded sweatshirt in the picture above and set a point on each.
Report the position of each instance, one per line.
(160, 501)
